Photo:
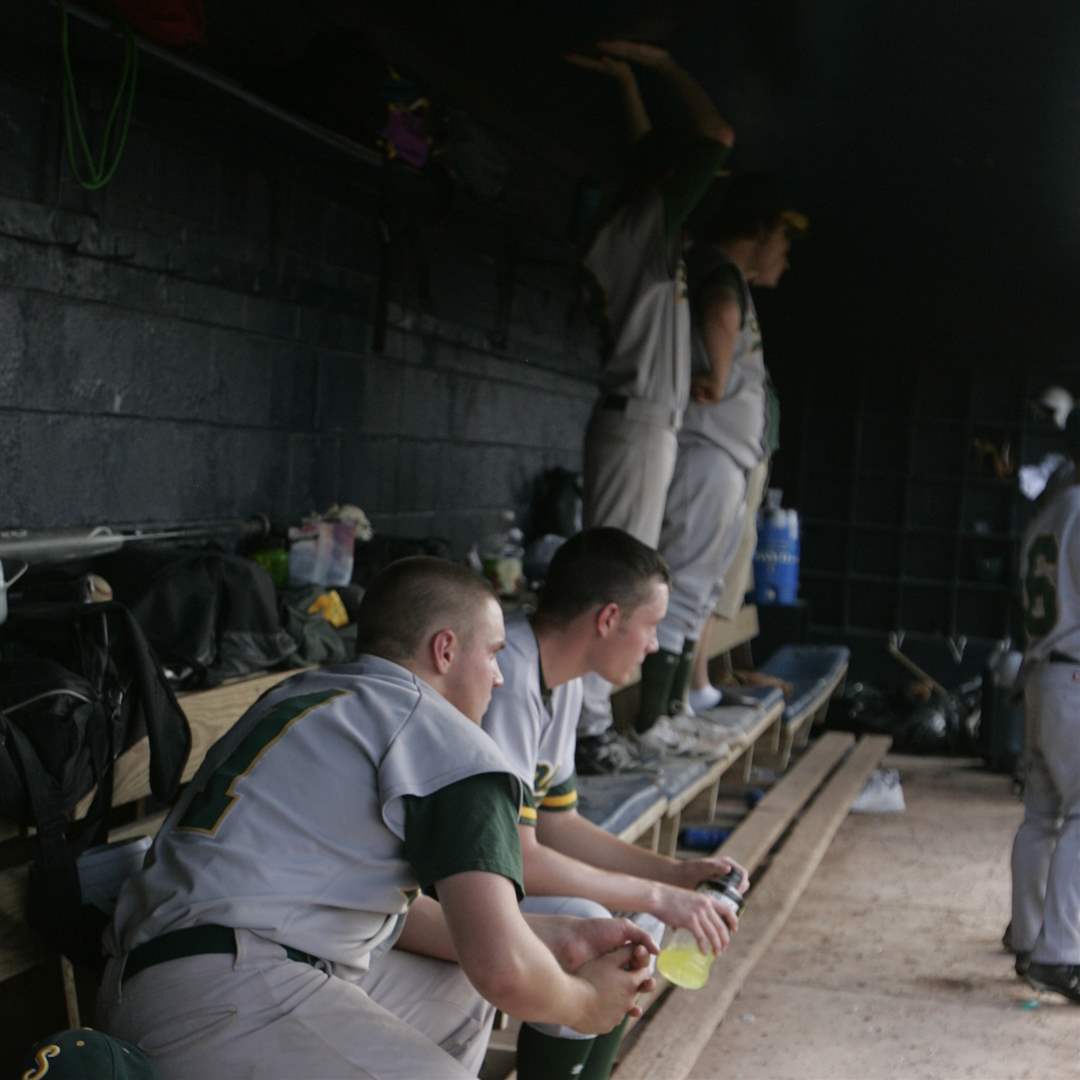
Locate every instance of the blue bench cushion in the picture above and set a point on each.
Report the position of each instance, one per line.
(616, 802)
(810, 668)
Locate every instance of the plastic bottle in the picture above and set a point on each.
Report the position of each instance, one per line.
(776, 560)
(681, 961)
(501, 555)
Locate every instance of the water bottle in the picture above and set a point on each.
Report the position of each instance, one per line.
(681, 961)
(502, 555)
(776, 560)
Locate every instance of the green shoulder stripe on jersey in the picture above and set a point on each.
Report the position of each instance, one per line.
(216, 799)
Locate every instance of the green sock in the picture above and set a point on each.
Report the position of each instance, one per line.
(657, 672)
(544, 1057)
(602, 1056)
(680, 681)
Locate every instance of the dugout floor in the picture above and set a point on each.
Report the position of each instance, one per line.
(891, 964)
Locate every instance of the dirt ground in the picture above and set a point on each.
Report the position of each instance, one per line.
(890, 967)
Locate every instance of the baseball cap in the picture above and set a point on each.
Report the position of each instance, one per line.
(1055, 402)
(85, 1054)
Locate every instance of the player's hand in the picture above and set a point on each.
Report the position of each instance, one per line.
(602, 65)
(690, 873)
(711, 922)
(616, 979)
(637, 52)
(576, 941)
(704, 390)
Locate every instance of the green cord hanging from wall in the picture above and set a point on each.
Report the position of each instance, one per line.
(97, 172)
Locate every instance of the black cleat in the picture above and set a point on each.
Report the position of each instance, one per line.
(1061, 979)
(1023, 962)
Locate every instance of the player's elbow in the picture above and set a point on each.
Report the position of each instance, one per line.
(502, 980)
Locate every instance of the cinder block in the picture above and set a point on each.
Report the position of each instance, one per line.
(427, 397)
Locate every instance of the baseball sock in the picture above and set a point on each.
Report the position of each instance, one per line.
(545, 1057)
(657, 673)
(602, 1056)
(680, 680)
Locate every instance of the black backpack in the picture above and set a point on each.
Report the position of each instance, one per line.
(209, 615)
(78, 686)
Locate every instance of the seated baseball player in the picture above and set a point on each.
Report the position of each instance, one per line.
(278, 928)
(604, 596)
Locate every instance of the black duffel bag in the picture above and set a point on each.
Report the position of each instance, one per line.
(78, 686)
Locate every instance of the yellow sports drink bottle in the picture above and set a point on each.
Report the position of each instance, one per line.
(681, 961)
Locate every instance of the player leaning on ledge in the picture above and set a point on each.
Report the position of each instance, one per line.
(278, 929)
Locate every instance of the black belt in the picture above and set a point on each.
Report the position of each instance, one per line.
(193, 941)
(1062, 658)
(615, 402)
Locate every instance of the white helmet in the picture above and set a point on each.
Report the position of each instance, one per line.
(1058, 402)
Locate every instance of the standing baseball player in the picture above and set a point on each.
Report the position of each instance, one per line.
(1045, 928)
(635, 260)
(729, 431)
(604, 596)
(278, 929)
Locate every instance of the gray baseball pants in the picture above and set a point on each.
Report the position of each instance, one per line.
(629, 461)
(1046, 851)
(703, 524)
(261, 1015)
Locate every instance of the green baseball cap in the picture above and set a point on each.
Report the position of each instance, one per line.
(85, 1054)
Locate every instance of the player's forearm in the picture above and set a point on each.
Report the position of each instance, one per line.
(704, 117)
(502, 957)
(578, 838)
(719, 347)
(637, 116)
(551, 873)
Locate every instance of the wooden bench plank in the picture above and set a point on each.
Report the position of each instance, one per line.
(677, 1032)
(210, 713)
(755, 836)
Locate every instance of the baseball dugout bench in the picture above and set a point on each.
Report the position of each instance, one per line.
(817, 672)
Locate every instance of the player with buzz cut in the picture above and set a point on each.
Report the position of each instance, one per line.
(604, 596)
(1045, 929)
(280, 929)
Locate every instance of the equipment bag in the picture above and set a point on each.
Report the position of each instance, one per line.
(78, 686)
(209, 615)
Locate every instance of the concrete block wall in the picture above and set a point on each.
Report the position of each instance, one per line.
(197, 340)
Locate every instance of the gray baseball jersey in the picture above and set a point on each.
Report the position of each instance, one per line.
(1050, 578)
(295, 825)
(738, 422)
(643, 283)
(533, 726)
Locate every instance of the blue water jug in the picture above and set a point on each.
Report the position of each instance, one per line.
(776, 560)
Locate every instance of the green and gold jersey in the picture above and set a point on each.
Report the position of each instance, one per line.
(534, 726)
(316, 819)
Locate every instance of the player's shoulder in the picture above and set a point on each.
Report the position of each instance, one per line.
(372, 683)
